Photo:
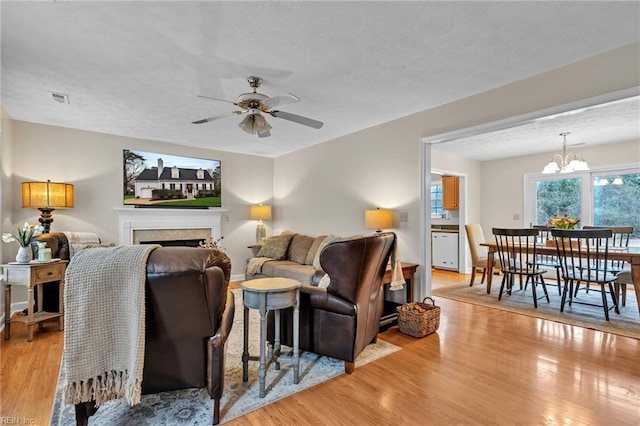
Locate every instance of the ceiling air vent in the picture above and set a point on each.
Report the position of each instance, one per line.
(60, 97)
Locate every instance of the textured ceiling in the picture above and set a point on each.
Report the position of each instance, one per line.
(135, 68)
(610, 122)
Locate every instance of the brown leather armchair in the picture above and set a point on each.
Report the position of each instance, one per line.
(341, 320)
(189, 314)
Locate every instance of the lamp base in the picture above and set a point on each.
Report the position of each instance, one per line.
(261, 232)
(45, 219)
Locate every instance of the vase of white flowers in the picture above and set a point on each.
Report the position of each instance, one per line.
(23, 237)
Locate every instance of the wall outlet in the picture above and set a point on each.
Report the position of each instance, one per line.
(404, 216)
(516, 216)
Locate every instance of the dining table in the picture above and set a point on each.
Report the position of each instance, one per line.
(631, 255)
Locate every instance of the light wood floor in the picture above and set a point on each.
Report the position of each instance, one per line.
(482, 367)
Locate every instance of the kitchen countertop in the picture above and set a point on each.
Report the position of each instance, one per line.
(445, 228)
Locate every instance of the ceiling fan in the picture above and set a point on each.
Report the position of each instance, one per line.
(254, 104)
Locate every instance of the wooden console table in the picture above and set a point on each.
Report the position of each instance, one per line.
(389, 315)
(33, 275)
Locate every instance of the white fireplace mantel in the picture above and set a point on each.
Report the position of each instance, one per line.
(132, 218)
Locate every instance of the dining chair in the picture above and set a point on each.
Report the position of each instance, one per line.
(475, 236)
(584, 258)
(619, 241)
(517, 251)
(547, 260)
(620, 286)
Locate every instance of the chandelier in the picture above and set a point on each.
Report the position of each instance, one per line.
(565, 163)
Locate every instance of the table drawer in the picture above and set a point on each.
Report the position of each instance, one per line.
(49, 273)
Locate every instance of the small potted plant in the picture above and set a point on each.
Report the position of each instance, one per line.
(23, 237)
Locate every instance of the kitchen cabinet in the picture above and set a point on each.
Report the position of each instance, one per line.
(450, 192)
(444, 250)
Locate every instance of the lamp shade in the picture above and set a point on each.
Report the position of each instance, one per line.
(48, 195)
(378, 219)
(260, 212)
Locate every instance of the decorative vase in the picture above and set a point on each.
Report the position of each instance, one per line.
(24, 255)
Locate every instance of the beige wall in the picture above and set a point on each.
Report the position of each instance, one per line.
(506, 176)
(92, 162)
(6, 193)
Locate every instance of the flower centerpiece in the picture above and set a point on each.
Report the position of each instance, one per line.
(23, 237)
(562, 222)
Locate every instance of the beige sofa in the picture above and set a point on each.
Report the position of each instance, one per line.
(289, 255)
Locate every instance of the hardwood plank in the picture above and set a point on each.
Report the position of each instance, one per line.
(483, 366)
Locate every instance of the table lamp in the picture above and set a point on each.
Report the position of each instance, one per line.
(46, 197)
(260, 213)
(378, 219)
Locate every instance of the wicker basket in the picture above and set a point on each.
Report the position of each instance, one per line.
(417, 324)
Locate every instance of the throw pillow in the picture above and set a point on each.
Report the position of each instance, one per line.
(275, 247)
(330, 239)
(299, 248)
(314, 249)
(324, 281)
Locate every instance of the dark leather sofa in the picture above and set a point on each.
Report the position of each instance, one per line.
(341, 320)
(189, 314)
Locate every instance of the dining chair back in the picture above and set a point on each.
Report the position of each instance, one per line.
(548, 260)
(517, 251)
(584, 258)
(619, 240)
(475, 236)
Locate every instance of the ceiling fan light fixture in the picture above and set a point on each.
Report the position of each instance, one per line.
(255, 104)
(254, 124)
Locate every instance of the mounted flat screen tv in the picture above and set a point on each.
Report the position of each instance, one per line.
(162, 180)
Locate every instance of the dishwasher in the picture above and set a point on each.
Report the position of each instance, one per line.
(444, 250)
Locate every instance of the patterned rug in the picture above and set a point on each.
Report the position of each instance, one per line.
(194, 407)
(627, 323)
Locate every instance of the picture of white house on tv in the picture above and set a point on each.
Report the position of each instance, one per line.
(161, 180)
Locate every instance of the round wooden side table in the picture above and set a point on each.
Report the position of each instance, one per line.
(266, 294)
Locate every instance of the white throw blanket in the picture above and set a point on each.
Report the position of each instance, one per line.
(81, 237)
(255, 264)
(397, 278)
(104, 316)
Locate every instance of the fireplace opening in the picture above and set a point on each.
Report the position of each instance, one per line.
(175, 243)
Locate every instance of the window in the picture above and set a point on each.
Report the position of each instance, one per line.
(599, 198)
(558, 197)
(436, 201)
(616, 200)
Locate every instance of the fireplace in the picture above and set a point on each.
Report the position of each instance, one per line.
(159, 224)
(175, 243)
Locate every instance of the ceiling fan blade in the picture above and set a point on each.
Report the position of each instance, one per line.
(215, 117)
(297, 119)
(286, 98)
(216, 99)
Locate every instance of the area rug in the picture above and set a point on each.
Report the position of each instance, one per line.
(194, 407)
(627, 323)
